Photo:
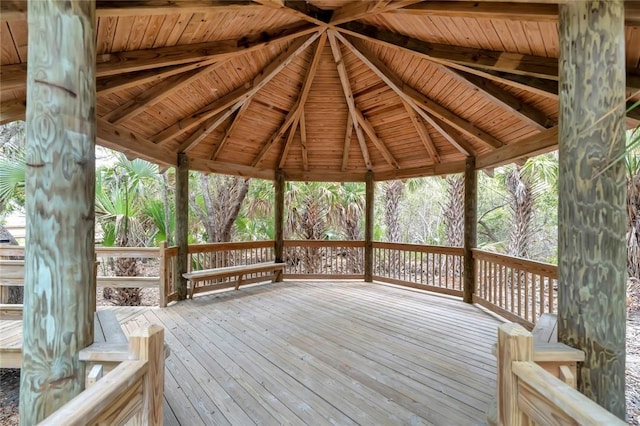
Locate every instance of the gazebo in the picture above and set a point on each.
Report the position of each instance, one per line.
(322, 90)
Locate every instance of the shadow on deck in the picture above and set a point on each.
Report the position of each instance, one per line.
(322, 352)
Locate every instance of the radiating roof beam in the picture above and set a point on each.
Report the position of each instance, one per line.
(157, 93)
(302, 97)
(412, 96)
(239, 95)
(14, 76)
(347, 143)
(235, 123)
(348, 94)
(422, 132)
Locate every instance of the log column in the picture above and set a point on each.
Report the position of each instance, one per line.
(591, 228)
(60, 179)
(279, 216)
(182, 224)
(368, 227)
(470, 226)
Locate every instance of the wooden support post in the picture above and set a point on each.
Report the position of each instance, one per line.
(147, 344)
(368, 227)
(592, 216)
(60, 179)
(514, 344)
(164, 285)
(470, 225)
(279, 185)
(182, 225)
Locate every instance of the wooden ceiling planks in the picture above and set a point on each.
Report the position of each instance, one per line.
(413, 116)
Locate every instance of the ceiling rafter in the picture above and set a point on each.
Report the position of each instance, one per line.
(132, 144)
(377, 142)
(235, 123)
(348, 94)
(303, 141)
(422, 132)
(347, 143)
(12, 110)
(451, 134)
(529, 65)
(361, 9)
(238, 95)
(13, 10)
(160, 91)
(496, 95)
(293, 114)
(14, 77)
(287, 144)
(302, 97)
(412, 96)
(110, 84)
(300, 9)
(539, 12)
(209, 125)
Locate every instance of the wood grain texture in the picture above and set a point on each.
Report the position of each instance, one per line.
(591, 231)
(470, 226)
(278, 216)
(59, 266)
(368, 226)
(182, 224)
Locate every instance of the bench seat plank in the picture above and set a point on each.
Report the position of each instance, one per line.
(238, 271)
(231, 271)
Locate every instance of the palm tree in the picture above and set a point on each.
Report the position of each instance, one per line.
(525, 185)
(121, 192)
(313, 208)
(454, 210)
(351, 211)
(392, 192)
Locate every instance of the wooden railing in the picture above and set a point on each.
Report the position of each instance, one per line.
(12, 271)
(324, 259)
(214, 255)
(133, 391)
(433, 268)
(518, 289)
(527, 394)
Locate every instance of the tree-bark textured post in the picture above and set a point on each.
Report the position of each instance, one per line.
(59, 254)
(182, 224)
(591, 231)
(368, 228)
(279, 216)
(470, 226)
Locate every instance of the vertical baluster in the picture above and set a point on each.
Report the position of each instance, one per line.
(526, 295)
(542, 298)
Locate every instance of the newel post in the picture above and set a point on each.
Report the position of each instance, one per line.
(470, 225)
(592, 216)
(60, 178)
(182, 225)
(514, 344)
(279, 185)
(368, 227)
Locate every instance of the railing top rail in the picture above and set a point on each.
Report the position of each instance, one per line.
(142, 252)
(546, 269)
(323, 243)
(419, 248)
(237, 245)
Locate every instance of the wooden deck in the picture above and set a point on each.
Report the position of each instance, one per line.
(320, 352)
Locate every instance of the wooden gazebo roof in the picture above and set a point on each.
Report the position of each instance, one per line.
(322, 89)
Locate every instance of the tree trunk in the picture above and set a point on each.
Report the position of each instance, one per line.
(60, 205)
(454, 211)
(521, 201)
(633, 225)
(592, 220)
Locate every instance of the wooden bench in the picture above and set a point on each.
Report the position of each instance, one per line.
(239, 271)
(556, 358)
(109, 339)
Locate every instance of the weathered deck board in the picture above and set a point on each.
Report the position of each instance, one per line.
(320, 352)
